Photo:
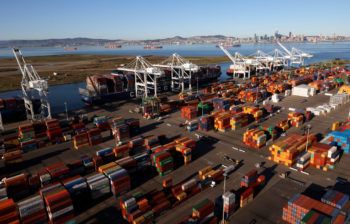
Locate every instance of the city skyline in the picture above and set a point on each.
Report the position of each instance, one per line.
(158, 19)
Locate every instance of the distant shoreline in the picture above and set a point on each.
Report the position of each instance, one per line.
(172, 44)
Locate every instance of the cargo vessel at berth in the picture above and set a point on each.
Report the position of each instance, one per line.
(120, 85)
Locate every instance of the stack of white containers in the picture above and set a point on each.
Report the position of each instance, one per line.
(98, 185)
(333, 154)
(303, 90)
(32, 210)
(189, 184)
(321, 110)
(229, 200)
(275, 98)
(339, 99)
(304, 161)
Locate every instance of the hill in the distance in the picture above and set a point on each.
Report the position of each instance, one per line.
(100, 42)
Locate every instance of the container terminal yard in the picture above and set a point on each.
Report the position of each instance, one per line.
(270, 145)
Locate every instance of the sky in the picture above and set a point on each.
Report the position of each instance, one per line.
(150, 19)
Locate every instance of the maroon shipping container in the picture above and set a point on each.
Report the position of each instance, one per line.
(57, 170)
(134, 215)
(98, 161)
(247, 193)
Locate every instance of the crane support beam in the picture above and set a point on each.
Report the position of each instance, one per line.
(146, 76)
(182, 72)
(33, 87)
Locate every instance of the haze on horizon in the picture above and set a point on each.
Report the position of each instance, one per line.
(132, 19)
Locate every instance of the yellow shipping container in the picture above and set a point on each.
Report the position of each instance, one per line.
(139, 220)
(205, 170)
(106, 167)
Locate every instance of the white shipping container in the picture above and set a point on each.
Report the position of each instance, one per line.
(275, 98)
(30, 206)
(188, 184)
(339, 99)
(95, 178)
(129, 202)
(303, 90)
(229, 198)
(332, 150)
(229, 169)
(99, 184)
(45, 178)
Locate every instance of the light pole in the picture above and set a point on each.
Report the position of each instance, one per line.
(65, 106)
(223, 207)
(197, 85)
(307, 136)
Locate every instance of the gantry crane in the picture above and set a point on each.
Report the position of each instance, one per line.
(296, 56)
(239, 65)
(146, 76)
(280, 58)
(33, 87)
(243, 65)
(265, 60)
(181, 71)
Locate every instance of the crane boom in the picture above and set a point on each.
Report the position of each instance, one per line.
(228, 54)
(284, 48)
(31, 83)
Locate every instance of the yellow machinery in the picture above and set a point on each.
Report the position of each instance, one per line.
(344, 89)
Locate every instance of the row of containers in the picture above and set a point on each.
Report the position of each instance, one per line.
(259, 136)
(304, 151)
(222, 99)
(207, 211)
(333, 208)
(121, 129)
(31, 136)
(226, 102)
(232, 119)
(113, 176)
(293, 149)
(141, 207)
(261, 87)
(38, 134)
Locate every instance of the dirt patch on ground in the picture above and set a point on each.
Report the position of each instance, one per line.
(75, 68)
